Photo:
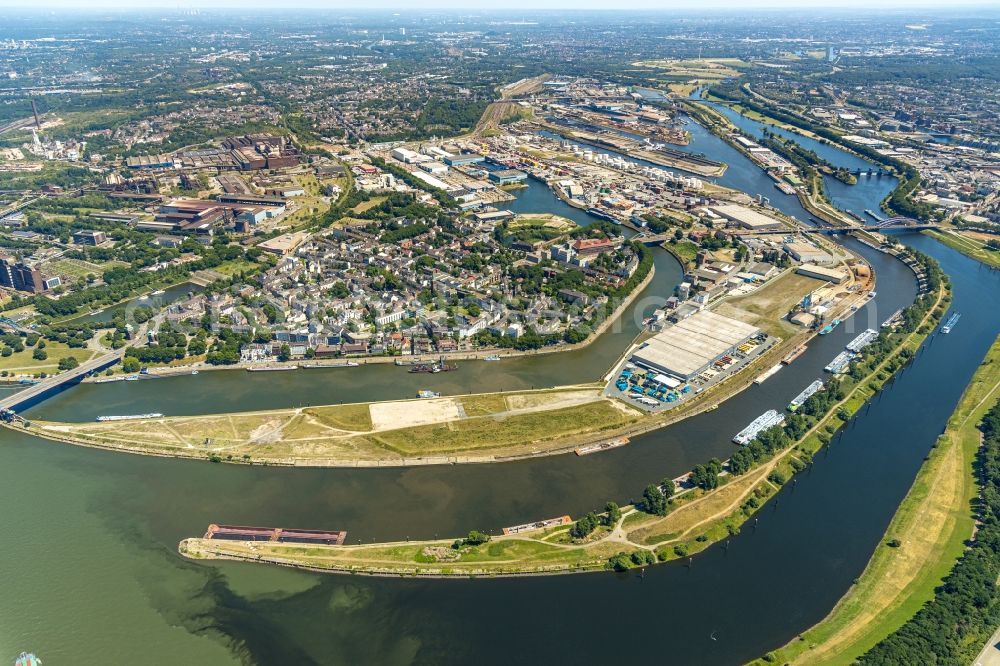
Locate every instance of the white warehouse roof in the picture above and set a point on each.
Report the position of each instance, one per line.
(747, 217)
(691, 345)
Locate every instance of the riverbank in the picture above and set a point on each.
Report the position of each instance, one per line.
(696, 520)
(931, 528)
(479, 428)
(967, 246)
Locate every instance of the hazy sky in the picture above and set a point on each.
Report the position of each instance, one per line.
(466, 5)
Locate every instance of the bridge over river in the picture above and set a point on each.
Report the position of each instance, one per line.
(887, 225)
(55, 382)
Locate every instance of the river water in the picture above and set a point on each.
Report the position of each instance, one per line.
(91, 573)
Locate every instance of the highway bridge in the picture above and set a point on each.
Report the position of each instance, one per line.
(877, 228)
(48, 385)
(886, 225)
(19, 206)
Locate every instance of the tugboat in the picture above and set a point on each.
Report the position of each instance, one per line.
(27, 659)
(829, 327)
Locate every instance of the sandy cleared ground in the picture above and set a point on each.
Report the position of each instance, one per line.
(393, 415)
(551, 400)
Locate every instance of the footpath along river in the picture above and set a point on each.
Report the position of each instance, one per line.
(92, 576)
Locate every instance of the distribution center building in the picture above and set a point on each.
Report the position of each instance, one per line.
(691, 346)
(748, 218)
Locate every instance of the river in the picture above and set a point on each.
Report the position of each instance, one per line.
(91, 573)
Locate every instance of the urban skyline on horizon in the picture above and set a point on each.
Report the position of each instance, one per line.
(514, 6)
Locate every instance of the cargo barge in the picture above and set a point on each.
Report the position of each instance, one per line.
(280, 534)
(272, 368)
(319, 366)
(109, 380)
(794, 355)
(433, 367)
(894, 319)
(131, 417)
(767, 420)
(602, 446)
(807, 393)
(541, 524)
(768, 374)
(840, 362)
(863, 340)
(604, 215)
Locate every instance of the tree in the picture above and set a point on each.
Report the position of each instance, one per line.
(620, 562)
(285, 353)
(270, 312)
(68, 363)
(706, 476)
(584, 526)
(654, 501)
(476, 538)
(39, 353)
(130, 364)
(196, 346)
(612, 514)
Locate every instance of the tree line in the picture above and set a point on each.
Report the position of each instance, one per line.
(953, 626)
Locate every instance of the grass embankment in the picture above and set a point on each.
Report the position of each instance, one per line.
(24, 363)
(697, 518)
(931, 527)
(454, 429)
(968, 246)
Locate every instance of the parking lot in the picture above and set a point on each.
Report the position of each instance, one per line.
(653, 391)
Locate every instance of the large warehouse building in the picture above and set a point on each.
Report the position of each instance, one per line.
(748, 218)
(689, 347)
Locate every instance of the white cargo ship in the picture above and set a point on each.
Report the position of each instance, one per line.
(131, 417)
(863, 340)
(840, 362)
(767, 420)
(807, 393)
